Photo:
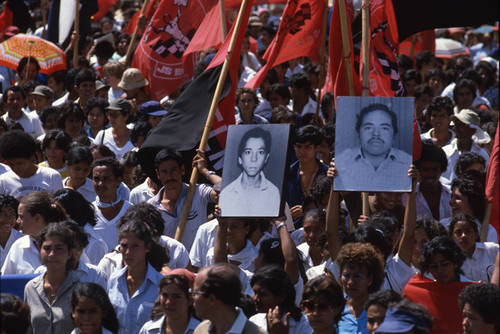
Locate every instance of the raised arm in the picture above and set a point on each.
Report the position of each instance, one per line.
(289, 251)
(332, 217)
(405, 250)
(200, 162)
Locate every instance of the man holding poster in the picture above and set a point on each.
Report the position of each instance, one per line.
(374, 165)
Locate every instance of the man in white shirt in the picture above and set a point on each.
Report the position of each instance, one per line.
(14, 100)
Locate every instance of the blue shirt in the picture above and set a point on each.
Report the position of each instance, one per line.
(349, 325)
(133, 312)
(295, 195)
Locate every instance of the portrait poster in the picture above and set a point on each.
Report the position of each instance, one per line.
(253, 175)
(373, 143)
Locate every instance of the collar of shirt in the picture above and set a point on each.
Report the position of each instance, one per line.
(156, 200)
(151, 275)
(238, 324)
(392, 154)
(264, 183)
(473, 148)
(27, 242)
(9, 120)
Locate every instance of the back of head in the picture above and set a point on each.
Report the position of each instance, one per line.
(223, 282)
(14, 315)
(17, 144)
(43, 204)
(83, 76)
(483, 298)
(76, 206)
(79, 154)
(146, 212)
(432, 153)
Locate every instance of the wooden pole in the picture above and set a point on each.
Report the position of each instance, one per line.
(486, 222)
(322, 58)
(365, 42)
(208, 125)
(412, 48)
(223, 21)
(77, 30)
(128, 56)
(346, 47)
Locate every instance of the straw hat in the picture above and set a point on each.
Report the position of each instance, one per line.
(132, 78)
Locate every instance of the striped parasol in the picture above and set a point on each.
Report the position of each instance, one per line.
(48, 55)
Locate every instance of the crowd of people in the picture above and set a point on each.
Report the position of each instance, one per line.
(97, 234)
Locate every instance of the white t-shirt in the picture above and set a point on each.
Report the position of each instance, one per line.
(295, 327)
(110, 142)
(44, 179)
(203, 241)
(96, 249)
(141, 193)
(107, 228)
(14, 235)
(30, 123)
(87, 189)
(491, 236)
(23, 257)
(245, 257)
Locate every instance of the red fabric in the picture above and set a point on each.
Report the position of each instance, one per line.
(159, 53)
(384, 50)
(336, 75)
(225, 111)
(299, 35)
(493, 182)
(441, 300)
(104, 6)
(237, 3)
(208, 34)
(150, 10)
(253, 45)
(425, 41)
(6, 18)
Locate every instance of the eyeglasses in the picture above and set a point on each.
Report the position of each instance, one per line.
(355, 277)
(309, 306)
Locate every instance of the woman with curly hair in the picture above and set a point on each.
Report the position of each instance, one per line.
(361, 269)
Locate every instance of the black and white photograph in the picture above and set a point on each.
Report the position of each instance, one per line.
(254, 168)
(373, 143)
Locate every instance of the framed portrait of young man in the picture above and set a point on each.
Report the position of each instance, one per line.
(373, 143)
(253, 176)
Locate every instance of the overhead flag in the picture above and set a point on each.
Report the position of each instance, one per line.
(104, 7)
(150, 10)
(167, 36)
(336, 80)
(493, 181)
(299, 35)
(421, 41)
(16, 13)
(183, 125)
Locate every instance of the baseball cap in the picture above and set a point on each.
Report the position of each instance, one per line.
(399, 320)
(44, 91)
(120, 104)
(152, 108)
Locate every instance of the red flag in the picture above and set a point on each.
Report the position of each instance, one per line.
(336, 79)
(104, 6)
(384, 49)
(209, 33)
(493, 182)
(159, 53)
(6, 18)
(237, 3)
(148, 13)
(424, 41)
(441, 300)
(299, 35)
(225, 111)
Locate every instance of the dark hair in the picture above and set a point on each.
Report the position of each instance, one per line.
(110, 162)
(79, 154)
(320, 188)
(404, 61)
(301, 81)
(419, 311)
(148, 213)
(76, 206)
(82, 140)
(325, 101)
(96, 102)
(278, 89)
(271, 251)
(59, 76)
(29, 86)
(464, 83)
(84, 75)
(435, 72)
(382, 298)
(423, 90)
(467, 159)
(69, 82)
(440, 102)
(483, 298)
(168, 154)
(61, 231)
(432, 153)
(412, 74)
(103, 150)
(374, 107)
(363, 255)
(276, 280)
(308, 133)
(223, 282)
(70, 109)
(462, 217)
(423, 57)
(255, 133)
(63, 140)
(13, 89)
(282, 114)
(375, 234)
(24, 61)
(326, 287)
(471, 74)
(41, 203)
(447, 247)
(15, 316)
(17, 144)
(431, 227)
(141, 129)
(104, 49)
(182, 283)
(317, 214)
(99, 295)
(158, 256)
(268, 29)
(81, 238)
(46, 112)
(473, 189)
(241, 91)
(7, 201)
(490, 71)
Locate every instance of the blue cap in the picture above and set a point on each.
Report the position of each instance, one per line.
(399, 320)
(152, 108)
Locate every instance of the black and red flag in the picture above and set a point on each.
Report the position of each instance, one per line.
(183, 125)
